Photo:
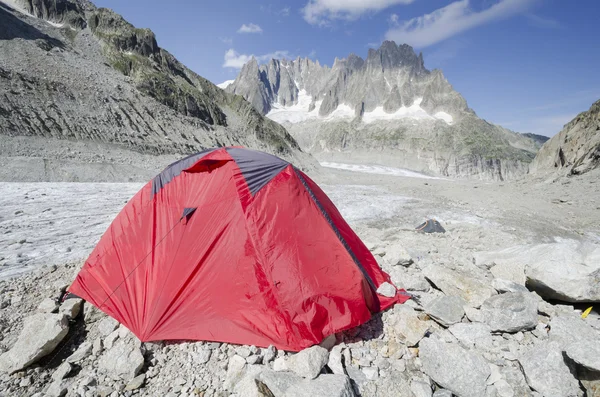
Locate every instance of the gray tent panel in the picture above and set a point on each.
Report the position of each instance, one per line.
(258, 168)
(175, 169)
(431, 226)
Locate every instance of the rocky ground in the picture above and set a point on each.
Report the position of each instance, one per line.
(497, 308)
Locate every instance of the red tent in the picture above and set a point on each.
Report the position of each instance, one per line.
(233, 245)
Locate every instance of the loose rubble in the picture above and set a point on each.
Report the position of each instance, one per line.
(468, 333)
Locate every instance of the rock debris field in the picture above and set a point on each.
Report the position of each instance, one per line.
(497, 308)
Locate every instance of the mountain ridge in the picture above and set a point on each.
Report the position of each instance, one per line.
(575, 149)
(388, 106)
(84, 74)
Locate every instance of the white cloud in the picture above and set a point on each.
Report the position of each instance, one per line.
(322, 12)
(250, 28)
(226, 40)
(394, 18)
(284, 12)
(312, 54)
(235, 60)
(451, 20)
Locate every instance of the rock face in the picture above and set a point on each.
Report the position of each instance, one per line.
(291, 385)
(454, 368)
(510, 312)
(96, 83)
(459, 283)
(308, 362)
(586, 354)
(374, 107)
(575, 150)
(40, 335)
(547, 373)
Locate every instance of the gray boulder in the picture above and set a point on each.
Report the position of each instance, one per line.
(546, 371)
(460, 283)
(477, 335)
(123, 360)
(461, 371)
(397, 255)
(40, 335)
(336, 360)
(585, 353)
(567, 329)
(510, 312)
(71, 307)
(47, 305)
(308, 362)
(387, 290)
(446, 310)
(566, 270)
(408, 327)
(82, 352)
(107, 325)
(286, 384)
(501, 285)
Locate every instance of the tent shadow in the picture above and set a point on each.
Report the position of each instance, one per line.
(372, 329)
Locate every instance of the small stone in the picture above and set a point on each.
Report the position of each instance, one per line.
(203, 356)
(386, 289)
(398, 256)
(62, 371)
(255, 359)
(97, 347)
(243, 351)
(107, 325)
(502, 286)
(136, 382)
(82, 352)
(308, 362)
(420, 388)
(279, 364)
(235, 371)
(269, 354)
(71, 307)
(58, 388)
(442, 393)
(334, 362)
(371, 373)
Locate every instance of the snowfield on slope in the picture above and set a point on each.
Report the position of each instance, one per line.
(299, 112)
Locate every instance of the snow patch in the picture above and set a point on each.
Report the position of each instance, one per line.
(55, 24)
(444, 116)
(377, 169)
(413, 112)
(299, 112)
(225, 84)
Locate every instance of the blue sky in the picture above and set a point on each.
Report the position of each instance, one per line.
(528, 65)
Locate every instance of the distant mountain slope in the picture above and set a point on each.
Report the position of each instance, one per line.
(71, 72)
(574, 150)
(385, 108)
